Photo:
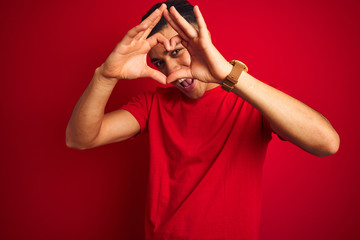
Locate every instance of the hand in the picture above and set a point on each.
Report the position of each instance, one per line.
(128, 59)
(207, 64)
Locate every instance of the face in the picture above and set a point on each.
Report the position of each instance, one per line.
(168, 62)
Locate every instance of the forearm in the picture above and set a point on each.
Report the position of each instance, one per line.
(86, 119)
(288, 117)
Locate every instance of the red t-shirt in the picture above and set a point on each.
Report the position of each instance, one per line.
(206, 159)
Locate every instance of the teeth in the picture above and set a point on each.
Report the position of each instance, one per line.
(181, 80)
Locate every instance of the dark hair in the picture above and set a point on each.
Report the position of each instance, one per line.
(182, 6)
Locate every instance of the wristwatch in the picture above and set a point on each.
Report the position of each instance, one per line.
(231, 79)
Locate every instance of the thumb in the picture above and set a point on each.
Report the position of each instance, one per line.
(182, 73)
(156, 75)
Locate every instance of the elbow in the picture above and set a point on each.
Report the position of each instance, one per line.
(330, 146)
(74, 145)
(334, 145)
(72, 142)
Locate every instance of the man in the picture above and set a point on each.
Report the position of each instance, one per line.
(208, 134)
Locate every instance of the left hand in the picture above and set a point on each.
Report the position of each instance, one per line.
(207, 63)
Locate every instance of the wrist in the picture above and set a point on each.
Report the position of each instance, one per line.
(100, 78)
(226, 70)
(101, 72)
(232, 78)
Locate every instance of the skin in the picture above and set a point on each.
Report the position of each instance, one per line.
(180, 50)
(178, 59)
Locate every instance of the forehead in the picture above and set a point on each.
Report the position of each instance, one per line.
(158, 49)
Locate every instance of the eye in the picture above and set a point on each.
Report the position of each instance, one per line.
(175, 52)
(158, 64)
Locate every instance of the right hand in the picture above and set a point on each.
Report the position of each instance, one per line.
(128, 59)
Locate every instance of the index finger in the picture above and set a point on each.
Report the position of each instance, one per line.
(200, 21)
(184, 25)
(174, 25)
(153, 20)
(148, 23)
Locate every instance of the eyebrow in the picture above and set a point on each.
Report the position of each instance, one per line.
(164, 53)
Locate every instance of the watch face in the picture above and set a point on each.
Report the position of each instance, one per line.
(243, 64)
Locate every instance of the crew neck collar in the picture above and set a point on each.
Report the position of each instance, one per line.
(206, 94)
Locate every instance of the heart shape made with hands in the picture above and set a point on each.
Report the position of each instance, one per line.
(196, 61)
(169, 45)
(206, 62)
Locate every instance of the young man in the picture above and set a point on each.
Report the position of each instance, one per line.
(208, 134)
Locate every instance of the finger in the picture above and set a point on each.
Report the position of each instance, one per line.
(145, 27)
(156, 75)
(159, 38)
(134, 33)
(175, 40)
(148, 23)
(154, 22)
(182, 73)
(174, 25)
(185, 26)
(200, 21)
(153, 16)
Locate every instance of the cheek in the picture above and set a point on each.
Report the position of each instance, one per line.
(162, 70)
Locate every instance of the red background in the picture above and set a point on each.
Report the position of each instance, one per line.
(49, 50)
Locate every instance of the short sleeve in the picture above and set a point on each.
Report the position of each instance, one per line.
(139, 107)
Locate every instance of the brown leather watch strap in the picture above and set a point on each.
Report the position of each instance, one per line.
(231, 79)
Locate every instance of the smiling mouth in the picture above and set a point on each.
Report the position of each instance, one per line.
(186, 82)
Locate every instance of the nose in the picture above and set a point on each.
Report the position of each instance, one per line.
(172, 65)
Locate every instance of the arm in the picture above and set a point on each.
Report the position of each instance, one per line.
(288, 117)
(88, 126)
